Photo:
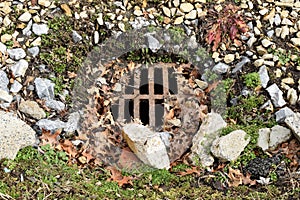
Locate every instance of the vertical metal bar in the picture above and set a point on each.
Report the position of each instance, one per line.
(136, 100)
(151, 96)
(165, 75)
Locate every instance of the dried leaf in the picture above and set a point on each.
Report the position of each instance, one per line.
(193, 170)
(170, 115)
(235, 176)
(68, 147)
(117, 176)
(131, 66)
(247, 180)
(88, 156)
(48, 138)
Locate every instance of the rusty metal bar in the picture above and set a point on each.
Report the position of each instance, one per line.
(151, 96)
(136, 99)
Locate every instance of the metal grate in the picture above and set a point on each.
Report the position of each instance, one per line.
(144, 95)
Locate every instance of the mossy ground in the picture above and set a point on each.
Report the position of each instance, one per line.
(33, 175)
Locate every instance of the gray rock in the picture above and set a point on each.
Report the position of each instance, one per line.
(73, 123)
(76, 37)
(55, 105)
(239, 65)
(27, 30)
(147, 145)
(3, 48)
(283, 113)
(16, 87)
(292, 96)
(50, 125)
(33, 51)
(4, 81)
(44, 88)
(278, 135)
(40, 29)
(153, 43)
(5, 96)
(14, 135)
(16, 54)
(293, 122)
(220, 68)
(202, 141)
(276, 95)
(264, 76)
(263, 138)
(32, 109)
(229, 147)
(19, 68)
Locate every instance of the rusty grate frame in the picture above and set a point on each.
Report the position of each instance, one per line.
(151, 96)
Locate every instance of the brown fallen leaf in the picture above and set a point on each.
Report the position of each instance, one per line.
(170, 115)
(48, 138)
(193, 170)
(247, 180)
(117, 176)
(88, 155)
(235, 176)
(68, 147)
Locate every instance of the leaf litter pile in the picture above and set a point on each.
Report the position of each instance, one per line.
(100, 141)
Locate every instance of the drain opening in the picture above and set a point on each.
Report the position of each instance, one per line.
(144, 94)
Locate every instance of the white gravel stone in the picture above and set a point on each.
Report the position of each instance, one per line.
(45, 3)
(285, 32)
(166, 11)
(19, 69)
(40, 29)
(221, 68)
(16, 87)
(5, 96)
(32, 109)
(286, 21)
(55, 105)
(296, 41)
(178, 20)
(2, 48)
(258, 62)
(76, 36)
(14, 135)
(186, 7)
(264, 76)
(292, 96)
(33, 51)
(50, 125)
(251, 41)
(293, 123)
(229, 147)
(100, 19)
(4, 81)
(229, 58)
(16, 54)
(25, 17)
(266, 42)
(278, 135)
(276, 95)
(283, 113)
(263, 138)
(44, 88)
(191, 15)
(147, 145)
(202, 141)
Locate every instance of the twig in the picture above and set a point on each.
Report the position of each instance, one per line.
(5, 196)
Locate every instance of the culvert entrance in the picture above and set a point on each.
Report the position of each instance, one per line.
(143, 95)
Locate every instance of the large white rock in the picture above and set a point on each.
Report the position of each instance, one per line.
(147, 145)
(229, 147)
(208, 132)
(14, 135)
(276, 95)
(270, 138)
(293, 123)
(278, 135)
